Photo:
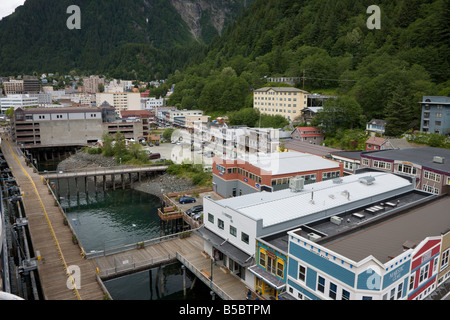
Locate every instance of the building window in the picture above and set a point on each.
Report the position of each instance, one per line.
(210, 218)
(233, 231)
(333, 289)
(321, 284)
(220, 224)
(423, 273)
(244, 237)
(411, 282)
(382, 165)
(432, 176)
(404, 168)
(262, 259)
(301, 273)
(345, 295)
(444, 263)
(365, 162)
(280, 269)
(399, 290)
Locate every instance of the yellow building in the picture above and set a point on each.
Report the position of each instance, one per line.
(287, 102)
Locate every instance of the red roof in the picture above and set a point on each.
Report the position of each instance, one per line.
(376, 141)
(307, 131)
(135, 113)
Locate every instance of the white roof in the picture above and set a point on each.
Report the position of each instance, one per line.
(284, 205)
(290, 162)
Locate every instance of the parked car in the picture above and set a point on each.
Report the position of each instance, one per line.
(186, 200)
(198, 215)
(154, 156)
(194, 210)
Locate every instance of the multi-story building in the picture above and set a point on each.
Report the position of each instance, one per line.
(178, 117)
(435, 115)
(234, 226)
(28, 84)
(13, 87)
(18, 101)
(287, 102)
(90, 85)
(150, 103)
(429, 166)
(271, 172)
(308, 134)
(57, 126)
(120, 100)
(376, 126)
(350, 159)
(399, 257)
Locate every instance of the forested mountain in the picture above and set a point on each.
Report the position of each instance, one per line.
(124, 38)
(384, 72)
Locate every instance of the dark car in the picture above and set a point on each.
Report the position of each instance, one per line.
(154, 156)
(186, 200)
(194, 210)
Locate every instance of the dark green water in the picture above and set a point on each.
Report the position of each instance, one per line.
(103, 220)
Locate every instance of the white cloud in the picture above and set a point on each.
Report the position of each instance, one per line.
(8, 6)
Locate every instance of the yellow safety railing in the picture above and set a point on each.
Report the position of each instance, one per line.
(75, 291)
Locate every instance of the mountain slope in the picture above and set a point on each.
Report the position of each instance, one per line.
(35, 37)
(328, 43)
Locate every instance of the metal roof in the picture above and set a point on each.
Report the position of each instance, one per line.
(422, 155)
(326, 196)
(385, 240)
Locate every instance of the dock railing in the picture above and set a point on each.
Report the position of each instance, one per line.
(222, 294)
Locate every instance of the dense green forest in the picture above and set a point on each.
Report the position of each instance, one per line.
(128, 39)
(382, 73)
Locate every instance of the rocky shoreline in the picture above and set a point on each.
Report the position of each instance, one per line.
(155, 185)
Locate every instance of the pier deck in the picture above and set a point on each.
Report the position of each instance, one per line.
(50, 237)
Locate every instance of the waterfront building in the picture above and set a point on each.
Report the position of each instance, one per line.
(233, 226)
(399, 257)
(287, 102)
(44, 127)
(429, 166)
(270, 172)
(435, 115)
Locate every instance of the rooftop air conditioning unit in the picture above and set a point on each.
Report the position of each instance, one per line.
(337, 180)
(336, 220)
(367, 180)
(296, 184)
(438, 159)
(313, 237)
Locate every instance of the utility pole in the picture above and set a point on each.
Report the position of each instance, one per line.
(303, 79)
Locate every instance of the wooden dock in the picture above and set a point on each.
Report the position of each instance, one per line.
(52, 238)
(82, 173)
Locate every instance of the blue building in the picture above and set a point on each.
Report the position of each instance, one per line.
(435, 115)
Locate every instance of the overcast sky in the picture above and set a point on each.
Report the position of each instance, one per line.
(8, 6)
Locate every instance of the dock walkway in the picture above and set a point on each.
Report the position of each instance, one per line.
(51, 237)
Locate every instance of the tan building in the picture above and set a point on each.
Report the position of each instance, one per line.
(444, 265)
(13, 87)
(120, 100)
(90, 85)
(287, 102)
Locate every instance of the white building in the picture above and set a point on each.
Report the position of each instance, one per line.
(18, 101)
(232, 225)
(151, 103)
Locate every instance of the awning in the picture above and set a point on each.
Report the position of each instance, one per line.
(221, 244)
(267, 277)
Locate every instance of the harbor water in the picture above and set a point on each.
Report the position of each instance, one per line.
(111, 218)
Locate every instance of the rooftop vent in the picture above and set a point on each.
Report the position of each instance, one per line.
(437, 159)
(336, 220)
(296, 184)
(337, 180)
(367, 180)
(313, 237)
